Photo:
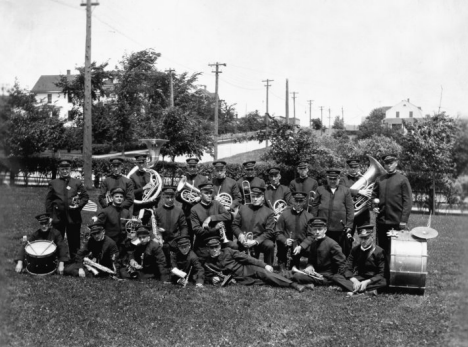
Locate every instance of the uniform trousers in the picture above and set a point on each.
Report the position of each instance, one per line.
(304, 279)
(282, 252)
(73, 236)
(259, 276)
(267, 247)
(348, 285)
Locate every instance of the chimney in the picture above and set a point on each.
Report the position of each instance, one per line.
(408, 99)
(68, 72)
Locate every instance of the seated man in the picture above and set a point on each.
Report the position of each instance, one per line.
(126, 248)
(365, 267)
(101, 250)
(325, 260)
(244, 269)
(257, 220)
(184, 260)
(247, 181)
(148, 258)
(46, 232)
(275, 191)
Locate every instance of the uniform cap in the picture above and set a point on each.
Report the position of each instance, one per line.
(258, 189)
(169, 190)
(206, 186)
(365, 230)
(389, 157)
(140, 158)
(116, 161)
(353, 162)
(299, 196)
(143, 231)
(213, 241)
(274, 171)
(317, 222)
(95, 228)
(117, 191)
(65, 163)
(182, 240)
(333, 172)
(192, 160)
(219, 163)
(302, 165)
(43, 217)
(249, 164)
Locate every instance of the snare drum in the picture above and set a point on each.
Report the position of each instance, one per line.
(41, 259)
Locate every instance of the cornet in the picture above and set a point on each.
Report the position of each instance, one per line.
(222, 232)
(314, 275)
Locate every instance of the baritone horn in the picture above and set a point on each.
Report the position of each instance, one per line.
(247, 192)
(188, 192)
(366, 181)
(278, 207)
(225, 199)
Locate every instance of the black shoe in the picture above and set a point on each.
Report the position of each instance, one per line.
(298, 287)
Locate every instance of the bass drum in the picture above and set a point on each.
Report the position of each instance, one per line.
(408, 263)
(41, 259)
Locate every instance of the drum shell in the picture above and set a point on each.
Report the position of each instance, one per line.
(41, 264)
(408, 263)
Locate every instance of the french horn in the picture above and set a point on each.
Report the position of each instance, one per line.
(188, 192)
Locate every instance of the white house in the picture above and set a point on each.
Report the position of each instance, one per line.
(404, 110)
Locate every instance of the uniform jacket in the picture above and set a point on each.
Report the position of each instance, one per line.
(335, 207)
(272, 194)
(229, 186)
(151, 257)
(199, 213)
(111, 182)
(253, 181)
(303, 185)
(105, 252)
(396, 199)
(294, 224)
(259, 220)
(368, 264)
(59, 198)
(139, 180)
(50, 235)
(232, 262)
(327, 257)
(172, 220)
(126, 249)
(185, 262)
(194, 180)
(111, 218)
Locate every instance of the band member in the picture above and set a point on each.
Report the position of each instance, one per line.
(365, 267)
(275, 190)
(141, 180)
(303, 183)
(185, 260)
(258, 220)
(334, 202)
(100, 248)
(148, 258)
(114, 217)
(45, 232)
(292, 235)
(194, 179)
(249, 176)
(223, 184)
(244, 269)
(363, 218)
(325, 258)
(206, 218)
(116, 180)
(64, 201)
(171, 220)
(126, 249)
(396, 199)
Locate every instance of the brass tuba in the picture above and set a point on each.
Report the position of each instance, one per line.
(154, 147)
(366, 181)
(188, 192)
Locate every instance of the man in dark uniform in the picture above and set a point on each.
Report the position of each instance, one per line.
(185, 260)
(126, 249)
(148, 258)
(292, 233)
(276, 191)
(100, 249)
(259, 220)
(396, 199)
(46, 232)
(206, 218)
(365, 267)
(304, 183)
(141, 180)
(116, 180)
(114, 217)
(64, 201)
(244, 269)
(334, 203)
(363, 218)
(249, 176)
(171, 220)
(194, 179)
(325, 258)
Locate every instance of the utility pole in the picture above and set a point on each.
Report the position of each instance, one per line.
(329, 119)
(87, 129)
(170, 71)
(342, 114)
(321, 120)
(217, 72)
(266, 117)
(294, 104)
(310, 112)
(287, 102)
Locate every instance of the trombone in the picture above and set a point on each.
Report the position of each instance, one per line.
(310, 200)
(247, 192)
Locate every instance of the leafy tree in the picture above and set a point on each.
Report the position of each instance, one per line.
(252, 121)
(317, 124)
(338, 123)
(372, 125)
(460, 151)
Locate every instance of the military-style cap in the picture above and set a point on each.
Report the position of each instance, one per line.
(169, 190)
(219, 163)
(213, 241)
(192, 161)
(274, 171)
(116, 191)
(182, 240)
(206, 186)
(302, 165)
(249, 164)
(333, 172)
(299, 196)
(353, 162)
(43, 217)
(260, 189)
(116, 161)
(317, 222)
(389, 157)
(140, 158)
(64, 163)
(365, 230)
(143, 231)
(95, 228)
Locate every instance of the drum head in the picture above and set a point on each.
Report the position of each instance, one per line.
(40, 248)
(424, 233)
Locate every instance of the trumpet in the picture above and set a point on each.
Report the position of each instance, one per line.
(314, 275)
(222, 232)
(188, 192)
(247, 192)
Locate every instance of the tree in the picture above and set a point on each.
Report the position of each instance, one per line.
(460, 151)
(317, 124)
(338, 123)
(252, 121)
(372, 125)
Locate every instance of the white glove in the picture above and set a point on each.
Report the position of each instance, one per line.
(81, 273)
(19, 266)
(60, 268)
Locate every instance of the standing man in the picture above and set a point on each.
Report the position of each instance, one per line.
(396, 199)
(276, 191)
(116, 180)
(249, 176)
(141, 180)
(334, 202)
(64, 201)
(304, 183)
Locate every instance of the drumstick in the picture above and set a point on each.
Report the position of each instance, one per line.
(29, 244)
(46, 248)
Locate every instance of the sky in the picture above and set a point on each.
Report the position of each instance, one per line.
(349, 57)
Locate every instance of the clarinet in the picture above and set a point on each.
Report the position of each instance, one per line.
(289, 254)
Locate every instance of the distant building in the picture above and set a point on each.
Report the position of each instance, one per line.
(403, 111)
(292, 120)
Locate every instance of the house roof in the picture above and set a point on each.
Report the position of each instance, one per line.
(46, 83)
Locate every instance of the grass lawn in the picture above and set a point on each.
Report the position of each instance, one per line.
(64, 311)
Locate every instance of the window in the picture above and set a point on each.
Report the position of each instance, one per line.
(70, 100)
(70, 117)
(398, 114)
(49, 98)
(411, 114)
